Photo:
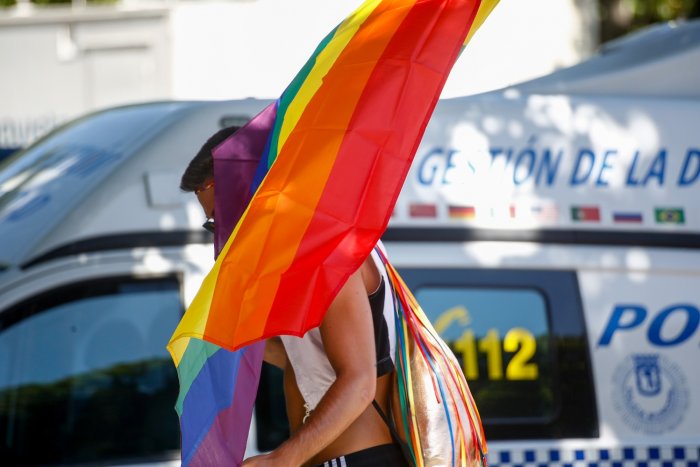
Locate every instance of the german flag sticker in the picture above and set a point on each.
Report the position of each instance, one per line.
(462, 212)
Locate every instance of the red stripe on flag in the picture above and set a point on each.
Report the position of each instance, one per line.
(260, 250)
(384, 122)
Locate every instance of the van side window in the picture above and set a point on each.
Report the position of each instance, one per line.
(521, 340)
(501, 337)
(85, 376)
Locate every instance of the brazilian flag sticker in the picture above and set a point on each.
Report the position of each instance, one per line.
(669, 216)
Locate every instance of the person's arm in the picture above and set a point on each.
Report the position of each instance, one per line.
(293, 400)
(275, 353)
(348, 339)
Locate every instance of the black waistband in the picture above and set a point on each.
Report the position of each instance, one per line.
(385, 455)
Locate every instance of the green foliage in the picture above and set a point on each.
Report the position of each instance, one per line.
(619, 17)
(661, 10)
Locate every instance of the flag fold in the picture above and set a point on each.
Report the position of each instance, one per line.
(326, 164)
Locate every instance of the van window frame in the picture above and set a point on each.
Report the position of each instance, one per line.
(42, 301)
(575, 414)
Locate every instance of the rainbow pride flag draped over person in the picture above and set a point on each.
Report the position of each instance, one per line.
(333, 154)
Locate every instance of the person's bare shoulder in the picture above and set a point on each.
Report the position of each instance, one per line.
(370, 275)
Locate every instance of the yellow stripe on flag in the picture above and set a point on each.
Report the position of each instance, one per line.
(484, 11)
(325, 60)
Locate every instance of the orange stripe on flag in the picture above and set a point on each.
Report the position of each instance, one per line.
(265, 247)
(381, 140)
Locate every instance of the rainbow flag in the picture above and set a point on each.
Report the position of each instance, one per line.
(338, 145)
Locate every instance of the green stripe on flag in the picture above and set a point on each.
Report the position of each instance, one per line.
(192, 362)
(291, 92)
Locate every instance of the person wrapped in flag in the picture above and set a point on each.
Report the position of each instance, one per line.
(343, 366)
(298, 199)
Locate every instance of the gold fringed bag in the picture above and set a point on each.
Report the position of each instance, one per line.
(432, 406)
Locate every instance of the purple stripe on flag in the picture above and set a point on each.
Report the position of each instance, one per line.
(235, 161)
(218, 407)
(211, 392)
(225, 442)
(247, 386)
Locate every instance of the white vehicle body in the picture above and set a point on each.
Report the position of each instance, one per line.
(550, 231)
(591, 177)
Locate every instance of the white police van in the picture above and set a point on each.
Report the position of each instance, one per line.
(551, 231)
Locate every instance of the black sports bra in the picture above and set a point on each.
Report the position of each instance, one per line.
(381, 331)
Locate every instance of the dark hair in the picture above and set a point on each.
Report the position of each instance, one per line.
(201, 167)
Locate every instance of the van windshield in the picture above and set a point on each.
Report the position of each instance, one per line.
(109, 132)
(84, 374)
(41, 184)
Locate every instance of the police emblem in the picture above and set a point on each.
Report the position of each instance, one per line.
(650, 393)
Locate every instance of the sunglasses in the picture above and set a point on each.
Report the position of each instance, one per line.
(209, 225)
(204, 187)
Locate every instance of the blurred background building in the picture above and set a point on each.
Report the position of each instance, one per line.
(62, 58)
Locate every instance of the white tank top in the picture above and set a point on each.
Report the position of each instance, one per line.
(314, 373)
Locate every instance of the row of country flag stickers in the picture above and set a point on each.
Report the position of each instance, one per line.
(546, 212)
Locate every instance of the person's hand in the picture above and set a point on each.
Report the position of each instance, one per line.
(256, 461)
(265, 460)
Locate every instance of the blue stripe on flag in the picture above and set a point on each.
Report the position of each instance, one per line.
(211, 392)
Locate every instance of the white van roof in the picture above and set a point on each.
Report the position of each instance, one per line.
(607, 145)
(110, 175)
(662, 60)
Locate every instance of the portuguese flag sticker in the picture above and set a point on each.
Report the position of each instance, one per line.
(585, 214)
